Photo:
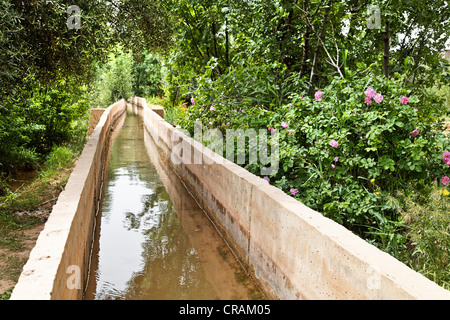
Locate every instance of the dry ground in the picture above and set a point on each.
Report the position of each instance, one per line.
(13, 259)
(17, 243)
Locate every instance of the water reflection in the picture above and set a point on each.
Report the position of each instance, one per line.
(152, 245)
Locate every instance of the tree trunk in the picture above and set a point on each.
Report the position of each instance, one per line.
(227, 45)
(316, 53)
(306, 46)
(386, 51)
(419, 53)
(216, 52)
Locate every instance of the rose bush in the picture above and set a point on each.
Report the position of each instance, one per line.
(342, 151)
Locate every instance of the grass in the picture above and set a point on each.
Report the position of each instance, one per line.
(47, 186)
(23, 209)
(6, 295)
(426, 218)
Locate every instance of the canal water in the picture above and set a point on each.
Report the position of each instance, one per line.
(152, 239)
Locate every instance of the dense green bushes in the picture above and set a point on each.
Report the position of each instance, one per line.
(376, 148)
(347, 151)
(123, 76)
(45, 117)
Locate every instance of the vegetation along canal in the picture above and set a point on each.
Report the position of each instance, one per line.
(152, 240)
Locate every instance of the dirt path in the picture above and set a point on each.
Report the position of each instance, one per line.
(16, 244)
(13, 258)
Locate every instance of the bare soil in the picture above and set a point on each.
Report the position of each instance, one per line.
(16, 245)
(13, 260)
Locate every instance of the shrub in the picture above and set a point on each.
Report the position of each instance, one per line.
(148, 76)
(114, 80)
(343, 150)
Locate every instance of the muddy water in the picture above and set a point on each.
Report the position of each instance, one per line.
(153, 241)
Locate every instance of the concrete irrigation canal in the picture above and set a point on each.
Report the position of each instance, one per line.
(142, 218)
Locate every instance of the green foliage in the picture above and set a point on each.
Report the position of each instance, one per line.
(377, 151)
(6, 295)
(148, 76)
(45, 117)
(122, 77)
(114, 79)
(427, 222)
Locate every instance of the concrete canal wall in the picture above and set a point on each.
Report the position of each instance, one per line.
(57, 266)
(295, 252)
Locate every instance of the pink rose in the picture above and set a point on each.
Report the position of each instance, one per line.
(318, 95)
(446, 157)
(404, 100)
(414, 133)
(284, 125)
(294, 191)
(334, 143)
(378, 98)
(370, 93)
(445, 180)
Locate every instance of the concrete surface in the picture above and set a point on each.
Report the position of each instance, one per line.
(57, 266)
(295, 252)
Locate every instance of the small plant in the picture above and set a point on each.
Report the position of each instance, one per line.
(427, 222)
(6, 295)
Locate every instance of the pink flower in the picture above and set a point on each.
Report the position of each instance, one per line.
(271, 129)
(367, 100)
(445, 180)
(404, 100)
(284, 125)
(378, 98)
(446, 157)
(212, 108)
(294, 191)
(197, 119)
(266, 178)
(414, 133)
(289, 131)
(334, 143)
(192, 101)
(318, 95)
(370, 93)
(333, 166)
(336, 159)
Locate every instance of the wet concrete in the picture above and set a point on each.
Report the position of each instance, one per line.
(152, 239)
